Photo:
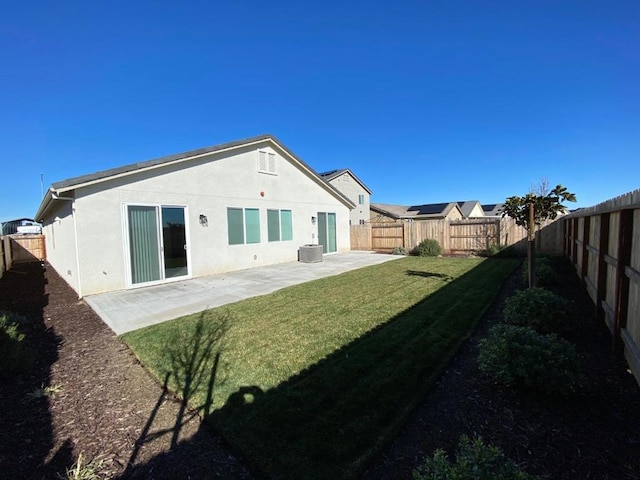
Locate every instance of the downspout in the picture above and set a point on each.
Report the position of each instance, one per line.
(75, 236)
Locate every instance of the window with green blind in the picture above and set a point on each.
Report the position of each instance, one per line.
(361, 199)
(252, 224)
(279, 225)
(286, 225)
(243, 225)
(235, 224)
(273, 225)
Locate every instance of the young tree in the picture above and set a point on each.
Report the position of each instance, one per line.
(532, 210)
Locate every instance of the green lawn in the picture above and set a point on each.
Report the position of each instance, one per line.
(311, 381)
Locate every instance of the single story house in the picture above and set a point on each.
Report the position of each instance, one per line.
(381, 213)
(228, 207)
(345, 181)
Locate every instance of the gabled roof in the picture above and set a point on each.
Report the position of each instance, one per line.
(467, 206)
(431, 210)
(492, 209)
(333, 174)
(58, 188)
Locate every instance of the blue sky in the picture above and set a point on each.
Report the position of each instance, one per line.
(425, 101)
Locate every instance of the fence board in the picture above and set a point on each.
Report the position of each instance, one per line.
(27, 248)
(361, 237)
(7, 253)
(455, 236)
(1, 256)
(617, 269)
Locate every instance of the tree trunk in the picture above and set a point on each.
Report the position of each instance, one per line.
(531, 248)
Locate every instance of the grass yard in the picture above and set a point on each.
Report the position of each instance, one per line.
(312, 380)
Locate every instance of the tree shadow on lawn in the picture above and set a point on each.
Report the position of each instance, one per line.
(422, 273)
(26, 436)
(193, 365)
(329, 420)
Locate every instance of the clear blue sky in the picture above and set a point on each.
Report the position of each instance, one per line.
(426, 101)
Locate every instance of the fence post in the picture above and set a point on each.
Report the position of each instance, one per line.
(584, 267)
(603, 269)
(625, 239)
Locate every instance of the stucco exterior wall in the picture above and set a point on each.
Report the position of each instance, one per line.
(60, 243)
(207, 186)
(352, 189)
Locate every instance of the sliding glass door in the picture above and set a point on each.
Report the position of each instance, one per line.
(174, 240)
(157, 243)
(327, 231)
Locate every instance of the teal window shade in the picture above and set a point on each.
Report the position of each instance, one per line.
(235, 225)
(361, 199)
(286, 224)
(331, 223)
(273, 225)
(252, 224)
(143, 244)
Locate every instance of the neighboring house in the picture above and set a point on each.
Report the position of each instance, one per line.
(228, 207)
(471, 209)
(398, 213)
(492, 209)
(351, 187)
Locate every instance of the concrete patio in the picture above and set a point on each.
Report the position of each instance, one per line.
(128, 310)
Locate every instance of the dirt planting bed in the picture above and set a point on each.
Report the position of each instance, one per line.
(103, 403)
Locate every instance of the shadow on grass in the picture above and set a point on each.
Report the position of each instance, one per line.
(422, 273)
(193, 363)
(335, 416)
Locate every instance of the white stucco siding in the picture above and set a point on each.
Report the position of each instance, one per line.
(58, 229)
(352, 189)
(206, 187)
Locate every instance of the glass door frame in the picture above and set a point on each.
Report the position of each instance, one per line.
(324, 223)
(159, 237)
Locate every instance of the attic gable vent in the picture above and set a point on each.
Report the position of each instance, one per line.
(266, 162)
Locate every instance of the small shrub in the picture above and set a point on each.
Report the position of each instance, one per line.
(474, 460)
(523, 358)
(545, 274)
(45, 392)
(399, 251)
(537, 308)
(84, 471)
(493, 250)
(13, 359)
(428, 247)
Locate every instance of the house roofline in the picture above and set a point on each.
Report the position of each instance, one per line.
(58, 188)
(332, 174)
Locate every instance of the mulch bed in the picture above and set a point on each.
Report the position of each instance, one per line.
(108, 405)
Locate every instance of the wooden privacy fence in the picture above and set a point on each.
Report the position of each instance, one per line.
(2, 261)
(22, 249)
(467, 236)
(603, 243)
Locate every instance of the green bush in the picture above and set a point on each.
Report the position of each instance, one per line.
(523, 358)
(537, 308)
(545, 274)
(13, 359)
(501, 251)
(399, 251)
(428, 247)
(474, 461)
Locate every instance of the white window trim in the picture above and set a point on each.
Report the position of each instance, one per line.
(266, 162)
